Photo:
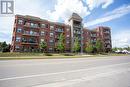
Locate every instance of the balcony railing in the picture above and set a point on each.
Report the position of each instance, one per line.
(93, 35)
(107, 41)
(106, 32)
(107, 37)
(59, 30)
(78, 26)
(31, 34)
(29, 43)
(77, 32)
(108, 46)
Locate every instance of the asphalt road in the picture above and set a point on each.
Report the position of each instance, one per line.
(79, 72)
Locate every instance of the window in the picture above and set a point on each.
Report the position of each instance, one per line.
(32, 40)
(35, 33)
(67, 42)
(51, 27)
(42, 33)
(44, 26)
(26, 32)
(27, 24)
(42, 40)
(20, 21)
(31, 24)
(18, 39)
(19, 30)
(51, 34)
(36, 25)
(31, 32)
(24, 40)
(50, 49)
(68, 35)
(17, 47)
(68, 29)
(60, 29)
(51, 41)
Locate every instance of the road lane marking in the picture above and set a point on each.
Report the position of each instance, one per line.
(39, 75)
(43, 63)
(83, 79)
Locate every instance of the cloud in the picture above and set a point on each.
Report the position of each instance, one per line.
(64, 9)
(121, 39)
(23, 7)
(96, 3)
(6, 36)
(116, 13)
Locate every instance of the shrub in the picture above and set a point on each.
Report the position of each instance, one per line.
(47, 54)
(68, 54)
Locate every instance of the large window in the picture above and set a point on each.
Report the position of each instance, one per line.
(19, 30)
(18, 39)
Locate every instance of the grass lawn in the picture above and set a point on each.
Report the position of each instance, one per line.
(10, 56)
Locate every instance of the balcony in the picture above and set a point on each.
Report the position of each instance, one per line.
(107, 32)
(107, 37)
(56, 36)
(108, 46)
(93, 35)
(31, 25)
(28, 42)
(27, 33)
(107, 42)
(59, 30)
(77, 32)
(77, 26)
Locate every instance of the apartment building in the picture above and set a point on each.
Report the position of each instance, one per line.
(29, 31)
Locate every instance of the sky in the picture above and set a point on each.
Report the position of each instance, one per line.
(112, 13)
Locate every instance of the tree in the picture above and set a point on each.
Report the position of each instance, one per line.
(89, 48)
(43, 46)
(99, 46)
(60, 45)
(114, 49)
(4, 47)
(76, 47)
